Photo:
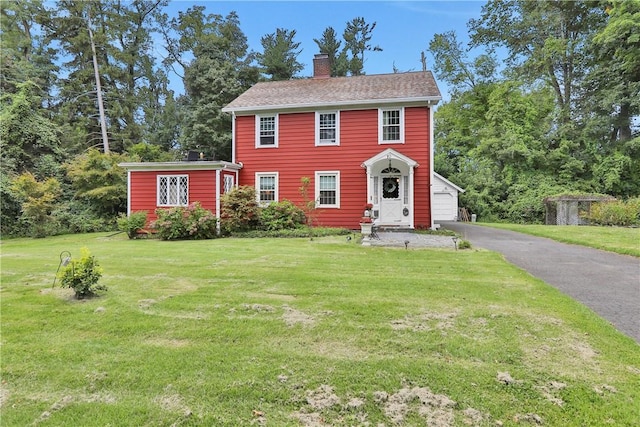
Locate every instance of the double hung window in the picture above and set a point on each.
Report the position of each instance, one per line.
(391, 126)
(328, 189)
(267, 187)
(267, 131)
(327, 128)
(173, 190)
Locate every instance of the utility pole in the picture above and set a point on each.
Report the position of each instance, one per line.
(103, 119)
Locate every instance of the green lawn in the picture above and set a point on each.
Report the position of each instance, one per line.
(622, 240)
(300, 332)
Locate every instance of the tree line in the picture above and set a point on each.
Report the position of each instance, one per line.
(56, 173)
(558, 115)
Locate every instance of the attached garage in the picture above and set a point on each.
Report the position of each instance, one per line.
(445, 199)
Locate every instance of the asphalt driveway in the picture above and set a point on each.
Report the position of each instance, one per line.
(607, 283)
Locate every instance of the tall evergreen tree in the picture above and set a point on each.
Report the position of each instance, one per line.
(357, 35)
(126, 66)
(279, 58)
(330, 45)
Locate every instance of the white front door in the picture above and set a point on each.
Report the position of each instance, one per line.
(391, 200)
(390, 181)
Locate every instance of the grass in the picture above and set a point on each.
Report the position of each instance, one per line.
(300, 332)
(622, 240)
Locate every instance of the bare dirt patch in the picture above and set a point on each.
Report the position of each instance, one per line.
(506, 378)
(437, 409)
(312, 419)
(293, 317)
(66, 294)
(425, 322)
(567, 354)
(318, 400)
(528, 418)
(550, 392)
(67, 400)
(146, 303)
(172, 402)
(605, 388)
(583, 350)
(473, 417)
(633, 370)
(259, 308)
(57, 406)
(4, 393)
(322, 397)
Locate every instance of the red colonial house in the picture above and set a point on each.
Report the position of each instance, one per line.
(363, 139)
(360, 140)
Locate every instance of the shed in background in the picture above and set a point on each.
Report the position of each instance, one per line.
(445, 199)
(571, 209)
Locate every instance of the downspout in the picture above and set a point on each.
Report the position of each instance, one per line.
(412, 204)
(128, 192)
(218, 201)
(431, 166)
(233, 137)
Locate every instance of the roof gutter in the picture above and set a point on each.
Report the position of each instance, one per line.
(168, 166)
(350, 104)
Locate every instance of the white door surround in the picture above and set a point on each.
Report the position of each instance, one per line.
(390, 181)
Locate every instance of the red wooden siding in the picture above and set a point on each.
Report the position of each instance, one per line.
(297, 157)
(143, 190)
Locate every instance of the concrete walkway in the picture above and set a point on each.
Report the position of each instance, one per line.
(607, 283)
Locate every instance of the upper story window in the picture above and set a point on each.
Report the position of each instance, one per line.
(267, 131)
(173, 190)
(391, 126)
(328, 189)
(267, 187)
(327, 128)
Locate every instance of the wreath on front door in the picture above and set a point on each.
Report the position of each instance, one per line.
(390, 186)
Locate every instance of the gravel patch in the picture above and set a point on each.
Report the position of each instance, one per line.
(401, 239)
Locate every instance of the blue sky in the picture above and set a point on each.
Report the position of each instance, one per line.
(403, 30)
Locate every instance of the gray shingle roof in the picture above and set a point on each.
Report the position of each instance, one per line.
(378, 89)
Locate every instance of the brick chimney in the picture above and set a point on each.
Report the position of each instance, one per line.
(321, 66)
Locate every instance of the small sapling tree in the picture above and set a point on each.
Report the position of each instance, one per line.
(82, 275)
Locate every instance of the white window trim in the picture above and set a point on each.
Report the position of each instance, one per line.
(324, 144)
(380, 128)
(159, 178)
(275, 143)
(317, 189)
(276, 196)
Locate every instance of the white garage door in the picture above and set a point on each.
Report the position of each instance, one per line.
(445, 207)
